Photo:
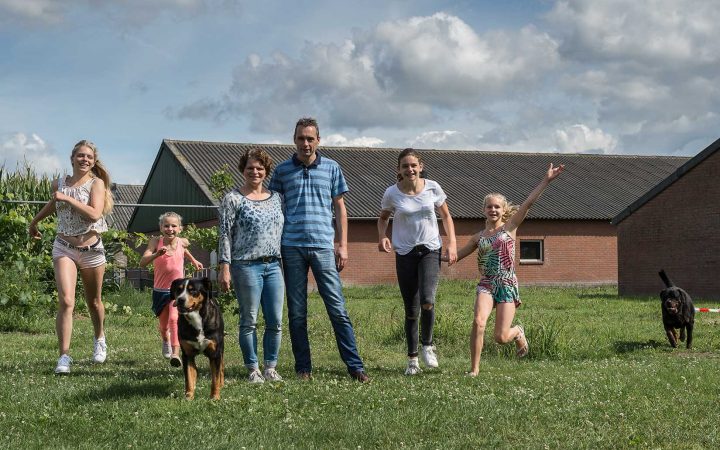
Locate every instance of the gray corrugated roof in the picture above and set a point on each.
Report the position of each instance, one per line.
(593, 187)
(123, 193)
(665, 183)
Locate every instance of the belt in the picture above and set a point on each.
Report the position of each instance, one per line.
(87, 248)
(264, 259)
(421, 249)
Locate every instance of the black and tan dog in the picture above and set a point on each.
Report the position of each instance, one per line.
(201, 330)
(678, 311)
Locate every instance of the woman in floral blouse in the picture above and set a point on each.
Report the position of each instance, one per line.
(251, 224)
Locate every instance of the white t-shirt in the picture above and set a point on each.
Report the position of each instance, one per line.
(414, 218)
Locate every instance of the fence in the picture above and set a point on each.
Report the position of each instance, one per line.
(141, 278)
(137, 277)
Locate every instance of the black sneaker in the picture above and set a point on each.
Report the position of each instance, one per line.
(360, 376)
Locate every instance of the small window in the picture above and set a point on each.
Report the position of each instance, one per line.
(531, 251)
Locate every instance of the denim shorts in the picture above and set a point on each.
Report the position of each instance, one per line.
(84, 257)
(160, 299)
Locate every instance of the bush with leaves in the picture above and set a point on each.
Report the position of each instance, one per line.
(27, 277)
(26, 270)
(221, 181)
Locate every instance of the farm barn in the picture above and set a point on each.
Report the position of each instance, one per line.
(567, 238)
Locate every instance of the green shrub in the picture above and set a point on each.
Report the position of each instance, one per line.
(26, 269)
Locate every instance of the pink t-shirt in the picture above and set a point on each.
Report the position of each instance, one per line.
(169, 268)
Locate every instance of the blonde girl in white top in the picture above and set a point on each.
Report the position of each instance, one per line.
(81, 201)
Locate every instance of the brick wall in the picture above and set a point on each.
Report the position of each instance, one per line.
(679, 231)
(576, 252)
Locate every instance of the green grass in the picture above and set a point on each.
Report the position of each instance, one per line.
(599, 374)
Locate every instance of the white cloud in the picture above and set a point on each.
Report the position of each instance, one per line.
(447, 139)
(580, 138)
(338, 140)
(441, 59)
(17, 148)
(668, 32)
(46, 11)
(611, 76)
(398, 74)
(649, 69)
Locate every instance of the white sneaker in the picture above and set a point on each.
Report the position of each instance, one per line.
(99, 350)
(413, 367)
(166, 350)
(255, 376)
(270, 374)
(63, 364)
(428, 356)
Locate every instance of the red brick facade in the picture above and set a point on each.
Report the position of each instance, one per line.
(678, 230)
(576, 252)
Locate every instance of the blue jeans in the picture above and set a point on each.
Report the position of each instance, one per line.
(296, 262)
(259, 284)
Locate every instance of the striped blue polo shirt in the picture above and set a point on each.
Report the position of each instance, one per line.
(308, 192)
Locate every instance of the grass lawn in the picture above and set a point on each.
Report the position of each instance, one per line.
(600, 373)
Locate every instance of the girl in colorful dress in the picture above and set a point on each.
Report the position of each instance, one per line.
(498, 286)
(81, 202)
(415, 202)
(167, 253)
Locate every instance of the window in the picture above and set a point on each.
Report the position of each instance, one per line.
(531, 251)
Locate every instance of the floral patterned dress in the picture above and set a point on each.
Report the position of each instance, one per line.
(496, 263)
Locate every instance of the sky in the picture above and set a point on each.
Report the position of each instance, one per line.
(571, 76)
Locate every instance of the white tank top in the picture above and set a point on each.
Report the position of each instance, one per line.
(71, 223)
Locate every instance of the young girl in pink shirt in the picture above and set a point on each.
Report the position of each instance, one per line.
(167, 253)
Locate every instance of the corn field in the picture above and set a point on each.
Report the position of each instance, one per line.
(24, 184)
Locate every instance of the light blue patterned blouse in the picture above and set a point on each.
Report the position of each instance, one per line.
(249, 229)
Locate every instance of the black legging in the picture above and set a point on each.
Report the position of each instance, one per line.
(418, 273)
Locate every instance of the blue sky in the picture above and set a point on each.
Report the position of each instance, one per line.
(616, 77)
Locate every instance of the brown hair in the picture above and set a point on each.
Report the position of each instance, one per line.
(99, 171)
(257, 154)
(306, 122)
(410, 152)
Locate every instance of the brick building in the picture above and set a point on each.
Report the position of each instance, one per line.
(674, 226)
(566, 239)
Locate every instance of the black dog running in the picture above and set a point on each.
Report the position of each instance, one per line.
(678, 311)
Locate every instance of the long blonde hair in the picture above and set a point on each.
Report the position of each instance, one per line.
(508, 208)
(99, 171)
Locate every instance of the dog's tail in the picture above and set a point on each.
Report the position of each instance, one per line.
(666, 280)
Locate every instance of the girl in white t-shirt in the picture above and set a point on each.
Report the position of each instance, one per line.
(413, 202)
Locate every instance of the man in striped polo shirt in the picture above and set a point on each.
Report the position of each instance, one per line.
(313, 186)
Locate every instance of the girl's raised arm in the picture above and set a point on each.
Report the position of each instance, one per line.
(522, 211)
